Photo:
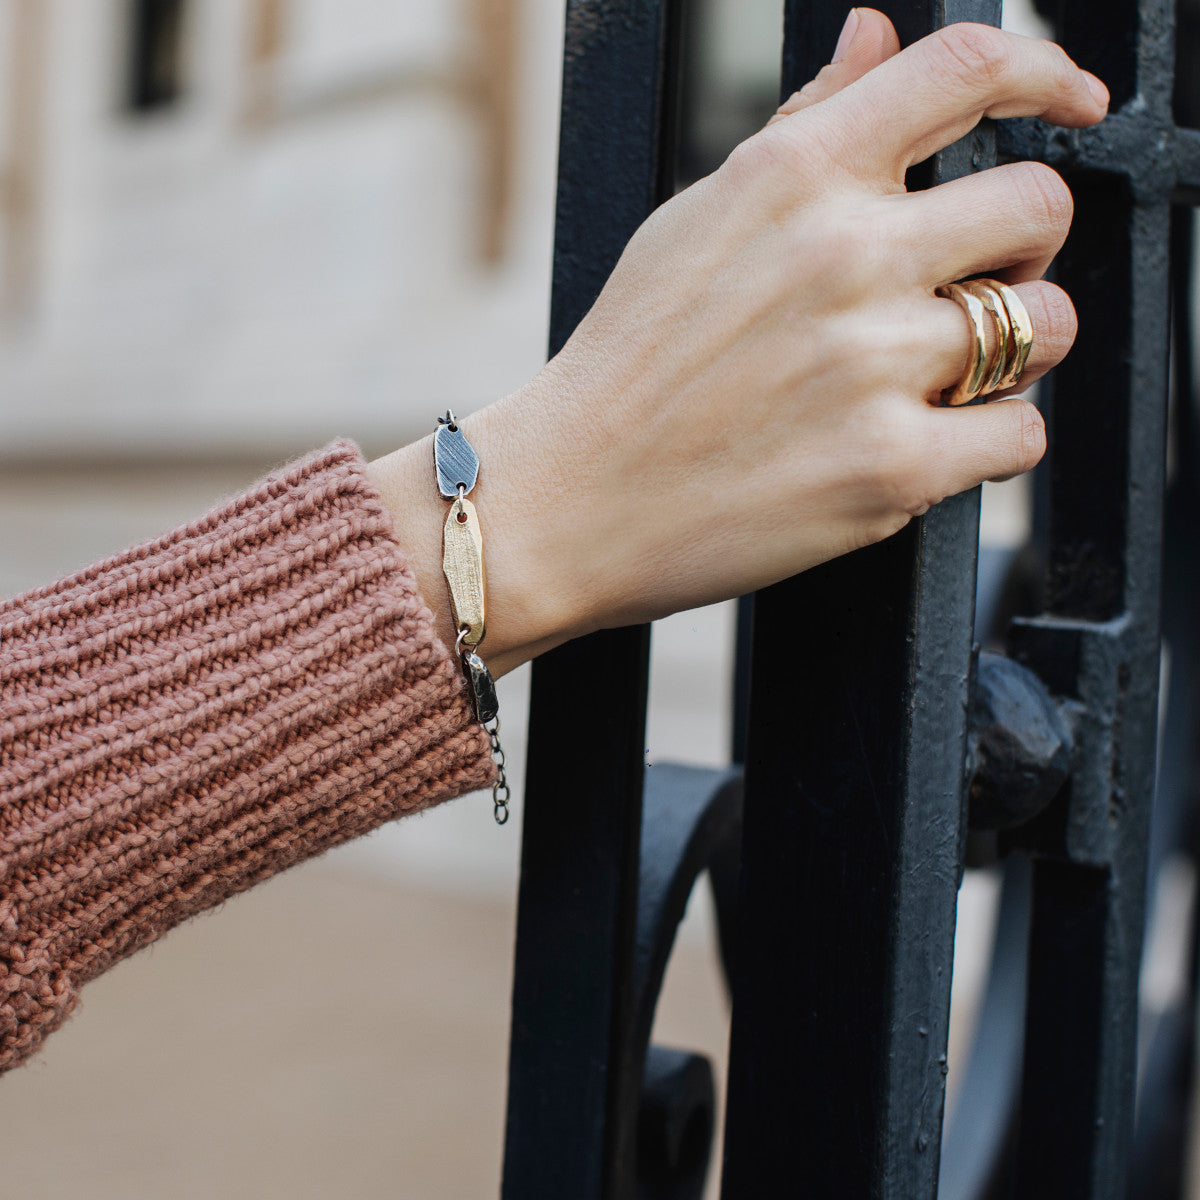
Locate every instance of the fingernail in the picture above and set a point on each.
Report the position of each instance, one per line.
(1098, 90)
(846, 36)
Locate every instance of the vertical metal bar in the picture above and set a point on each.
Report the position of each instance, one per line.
(1100, 644)
(1167, 1058)
(854, 826)
(572, 993)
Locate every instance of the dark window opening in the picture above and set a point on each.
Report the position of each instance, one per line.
(1187, 64)
(156, 59)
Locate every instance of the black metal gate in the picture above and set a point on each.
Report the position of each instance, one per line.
(865, 789)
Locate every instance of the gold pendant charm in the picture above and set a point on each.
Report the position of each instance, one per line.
(462, 562)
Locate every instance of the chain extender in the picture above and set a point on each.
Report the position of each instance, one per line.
(457, 468)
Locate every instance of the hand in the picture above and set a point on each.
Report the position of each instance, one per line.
(751, 393)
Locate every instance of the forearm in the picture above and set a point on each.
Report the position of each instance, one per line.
(200, 712)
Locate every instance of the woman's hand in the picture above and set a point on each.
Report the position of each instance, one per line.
(752, 392)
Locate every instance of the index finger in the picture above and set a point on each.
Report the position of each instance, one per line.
(937, 90)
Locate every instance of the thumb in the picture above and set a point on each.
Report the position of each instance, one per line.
(867, 39)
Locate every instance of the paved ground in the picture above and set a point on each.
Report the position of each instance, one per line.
(328, 1035)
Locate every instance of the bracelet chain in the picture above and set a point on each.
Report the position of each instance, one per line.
(457, 467)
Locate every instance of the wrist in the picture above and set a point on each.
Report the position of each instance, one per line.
(529, 608)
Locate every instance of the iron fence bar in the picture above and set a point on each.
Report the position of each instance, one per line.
(1089, 880)
(1167, 1036)
(1099, 643)
(854, 824)
(575, 953)
(977, 1149)
(1137, 144)
(854, 781)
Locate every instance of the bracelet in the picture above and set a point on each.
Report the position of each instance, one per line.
(457, 467)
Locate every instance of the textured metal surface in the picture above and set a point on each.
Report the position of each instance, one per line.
(455, 460)
(853, 829)
(1019, 745)
(462, 564)
(692, 814)
(1099, 642)
(1167, 1035)
(570, 1132)
(483, 688)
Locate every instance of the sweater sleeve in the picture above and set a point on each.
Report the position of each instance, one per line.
(201, 711)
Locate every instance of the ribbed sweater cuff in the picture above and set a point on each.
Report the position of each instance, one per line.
(203, 710)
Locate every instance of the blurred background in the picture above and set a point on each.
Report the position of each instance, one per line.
(231, 230)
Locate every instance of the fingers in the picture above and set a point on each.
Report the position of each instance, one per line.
(925, 454)
(1011, 220)
(987, 441)
(950, 344)
(868, 39)
(937, 90)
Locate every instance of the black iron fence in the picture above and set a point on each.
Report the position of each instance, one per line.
(884, 755)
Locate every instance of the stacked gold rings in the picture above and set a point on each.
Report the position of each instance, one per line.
(982, 299)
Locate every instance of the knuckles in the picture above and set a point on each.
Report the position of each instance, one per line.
(795, 158)
(1067, 81)
(981, 60)
(835, 253)
(971, 54)
(778, 147)
(749, 160)
(894, 457)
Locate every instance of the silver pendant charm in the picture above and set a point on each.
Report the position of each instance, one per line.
(483, 687)
(454, 459)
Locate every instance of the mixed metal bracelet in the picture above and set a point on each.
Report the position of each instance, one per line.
(457, 467)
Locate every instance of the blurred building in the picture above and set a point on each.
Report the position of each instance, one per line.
(247, 225)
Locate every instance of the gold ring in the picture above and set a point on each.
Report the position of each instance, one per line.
(974, 377)
(1005, 352)
(1022, 332)
(1005, 365)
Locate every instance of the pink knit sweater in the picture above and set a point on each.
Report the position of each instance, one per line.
(202, 711)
